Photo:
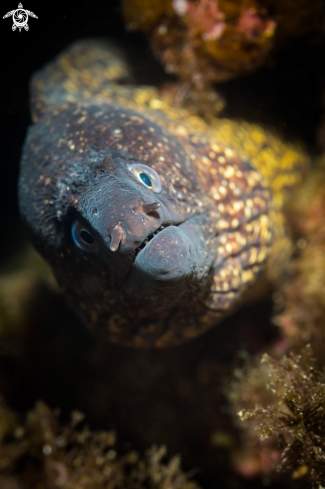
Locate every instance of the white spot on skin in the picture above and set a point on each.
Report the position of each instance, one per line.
(223, 239)
(228, 247)
(223, 224)
(229, 171)
(229, 152)
(253, 256)
(225, 286)
(215, 148)
(238, 205)
(234, 223)
(248, 212)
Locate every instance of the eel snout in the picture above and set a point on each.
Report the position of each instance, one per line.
(130, 226)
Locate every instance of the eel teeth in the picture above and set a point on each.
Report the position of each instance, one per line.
(148, 238)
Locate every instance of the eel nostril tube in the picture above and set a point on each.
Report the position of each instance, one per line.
(148, 208)
(116, 236)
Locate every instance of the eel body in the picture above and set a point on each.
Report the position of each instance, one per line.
(155, 223)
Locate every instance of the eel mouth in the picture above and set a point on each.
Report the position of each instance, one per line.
(135, 252)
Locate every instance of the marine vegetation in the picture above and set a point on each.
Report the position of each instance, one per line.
(296, 416)
(37, 450)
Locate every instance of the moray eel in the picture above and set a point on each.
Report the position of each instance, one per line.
(155, 222)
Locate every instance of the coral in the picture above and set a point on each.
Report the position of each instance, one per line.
(38, 451)
(210, 41)
(296, 416)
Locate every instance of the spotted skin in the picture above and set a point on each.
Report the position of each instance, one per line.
(218, 219)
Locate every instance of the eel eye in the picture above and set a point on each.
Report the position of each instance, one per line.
(83, 238)
(147, 176)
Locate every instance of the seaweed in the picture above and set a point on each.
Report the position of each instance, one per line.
(37, 451)
(296, 416)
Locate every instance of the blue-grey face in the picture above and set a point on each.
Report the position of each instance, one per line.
(113, 203)
(128, 222)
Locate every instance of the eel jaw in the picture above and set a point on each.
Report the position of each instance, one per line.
(166, 257)
(135, 252)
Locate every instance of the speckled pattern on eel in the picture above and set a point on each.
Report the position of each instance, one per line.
(155, 222)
